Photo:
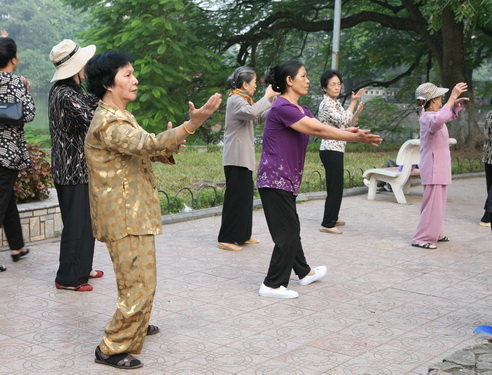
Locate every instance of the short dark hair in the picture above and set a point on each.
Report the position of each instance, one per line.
(101, 70)
(8, 50)
(277, 76)
(329, 74)
(240, 75)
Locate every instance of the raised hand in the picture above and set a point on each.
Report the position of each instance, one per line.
(355, 119)
(26, 83)
(360, 107)
(200, 115)
(270, 93)
(356, 97)
(459, 89)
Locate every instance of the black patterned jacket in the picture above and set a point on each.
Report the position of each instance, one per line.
(13, 149)
(70, 113)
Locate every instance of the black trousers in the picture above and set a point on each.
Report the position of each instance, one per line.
(487, 216)
(9, 215)
(333, 163)
(237, 212)
(77, 241)
(283, 222)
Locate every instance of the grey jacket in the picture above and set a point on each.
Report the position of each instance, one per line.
(241, 117)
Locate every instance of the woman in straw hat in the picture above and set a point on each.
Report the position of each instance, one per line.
(70, 112)
(13, 150)
(435, 159)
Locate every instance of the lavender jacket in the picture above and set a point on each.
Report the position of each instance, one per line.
(435, 157)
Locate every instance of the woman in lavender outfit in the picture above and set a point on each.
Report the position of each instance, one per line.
(435, 159)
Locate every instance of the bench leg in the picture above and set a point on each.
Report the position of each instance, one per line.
(371, 193)
(399, 195)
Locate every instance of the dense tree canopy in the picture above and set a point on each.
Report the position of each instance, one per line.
(442, 40)
(172, 63)
(184, 49)
(36, 26)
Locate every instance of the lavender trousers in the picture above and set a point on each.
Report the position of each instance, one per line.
(431, 222)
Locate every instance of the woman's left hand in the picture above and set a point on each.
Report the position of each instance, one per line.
(200, 115)
(365, 136)
(458, 101)
(360, 107)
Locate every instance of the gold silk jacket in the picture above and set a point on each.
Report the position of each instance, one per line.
(123, 193)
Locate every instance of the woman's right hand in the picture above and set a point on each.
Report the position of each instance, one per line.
(356, 97)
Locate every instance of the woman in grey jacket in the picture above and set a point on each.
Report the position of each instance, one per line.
(242, 114)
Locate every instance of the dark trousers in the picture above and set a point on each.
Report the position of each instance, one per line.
(487, 216)
(237, 212)
(77, 241)
(333, 163)
(283, 222)
(9, 215)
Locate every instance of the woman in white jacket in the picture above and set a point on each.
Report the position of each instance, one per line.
(242, 114)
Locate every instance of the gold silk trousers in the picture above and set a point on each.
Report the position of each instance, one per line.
(135, 269)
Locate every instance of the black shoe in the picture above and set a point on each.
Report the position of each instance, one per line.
(17, 257)
(152, 330)
(122, 361)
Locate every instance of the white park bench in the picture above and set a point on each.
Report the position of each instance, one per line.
(400, 178)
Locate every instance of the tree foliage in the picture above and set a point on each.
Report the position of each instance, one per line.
(422, 40)
(36, 26)
(172, 62)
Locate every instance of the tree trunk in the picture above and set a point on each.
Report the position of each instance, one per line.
(465, 129)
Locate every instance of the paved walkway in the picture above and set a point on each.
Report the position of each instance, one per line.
(384, 307)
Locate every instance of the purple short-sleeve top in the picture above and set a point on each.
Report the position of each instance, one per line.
(284, 149)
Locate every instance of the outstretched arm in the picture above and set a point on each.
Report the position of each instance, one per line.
(312, 126)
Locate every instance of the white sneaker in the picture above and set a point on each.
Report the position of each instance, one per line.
(319, 273)
(281, 292)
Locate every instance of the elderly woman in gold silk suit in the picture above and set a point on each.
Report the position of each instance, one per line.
(124, 201)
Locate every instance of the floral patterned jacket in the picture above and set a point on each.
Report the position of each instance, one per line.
(331, 112)
(13, 148)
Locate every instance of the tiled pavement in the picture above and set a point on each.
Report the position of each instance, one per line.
(384, 307)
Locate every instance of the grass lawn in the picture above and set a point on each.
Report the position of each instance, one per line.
(194, 169)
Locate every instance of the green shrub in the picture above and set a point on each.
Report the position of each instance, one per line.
(32, 184)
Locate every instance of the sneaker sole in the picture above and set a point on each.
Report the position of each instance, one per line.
(277, 296)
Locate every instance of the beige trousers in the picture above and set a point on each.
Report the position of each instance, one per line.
(134, 266)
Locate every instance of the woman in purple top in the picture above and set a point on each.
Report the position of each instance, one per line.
(435, 159)
(287, 129)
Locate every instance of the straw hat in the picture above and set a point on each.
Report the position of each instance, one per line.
(428, 91)
(69, 58)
